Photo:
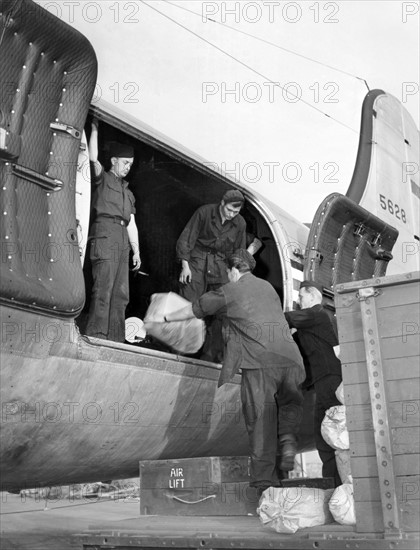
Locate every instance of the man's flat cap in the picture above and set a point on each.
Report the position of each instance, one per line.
(313, 284)
(233, 195)
(121, 150)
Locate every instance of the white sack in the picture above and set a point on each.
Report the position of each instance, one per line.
(334, 429)
(339, 393)
(342, 505)
(287, 509)
(342, 459)
(182, 336)
(134, 330)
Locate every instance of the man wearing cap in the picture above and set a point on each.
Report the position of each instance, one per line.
(318, 342)
(257, 341)
(213, 233)
(112, 233)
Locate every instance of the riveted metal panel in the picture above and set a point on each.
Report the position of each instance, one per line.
(47, 77)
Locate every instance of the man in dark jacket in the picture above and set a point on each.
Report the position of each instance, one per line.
(257, 341)
(318, 342)
(210, 236)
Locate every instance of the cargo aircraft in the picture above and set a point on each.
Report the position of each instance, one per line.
(77, 409)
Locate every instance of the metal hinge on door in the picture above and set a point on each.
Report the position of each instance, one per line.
(60, 127)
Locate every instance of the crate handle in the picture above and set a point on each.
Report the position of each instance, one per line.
(193, 501)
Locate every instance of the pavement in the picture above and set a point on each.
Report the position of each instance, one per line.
(38, 524)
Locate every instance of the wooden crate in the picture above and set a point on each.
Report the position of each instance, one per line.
(378, 323)
(212, 486)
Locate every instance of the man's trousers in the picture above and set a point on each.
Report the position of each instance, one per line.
(325, 398)
(272, 404)
(109, 253)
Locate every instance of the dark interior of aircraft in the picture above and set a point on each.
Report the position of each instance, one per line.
(167, 192)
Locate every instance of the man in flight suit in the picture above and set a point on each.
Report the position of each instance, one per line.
(318, 343)
(112, 232)
(257, 341)
(210, 236)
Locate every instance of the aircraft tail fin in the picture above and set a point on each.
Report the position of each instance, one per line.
(386, 176)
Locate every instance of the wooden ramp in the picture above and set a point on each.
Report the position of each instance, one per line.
(228, 532)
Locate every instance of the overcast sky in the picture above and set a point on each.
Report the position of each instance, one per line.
(211, 88)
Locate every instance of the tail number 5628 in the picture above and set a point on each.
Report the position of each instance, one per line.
(393, 208)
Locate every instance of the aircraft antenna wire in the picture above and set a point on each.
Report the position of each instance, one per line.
(269, 43)
(250, 68)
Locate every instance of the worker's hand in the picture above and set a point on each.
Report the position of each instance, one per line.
(185, 276)
(136, 261)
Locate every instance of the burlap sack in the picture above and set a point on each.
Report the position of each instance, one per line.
(182, 336)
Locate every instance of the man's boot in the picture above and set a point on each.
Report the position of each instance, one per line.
(288, 449)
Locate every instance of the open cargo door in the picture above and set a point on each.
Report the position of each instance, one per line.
(346, 243)
(47, 77)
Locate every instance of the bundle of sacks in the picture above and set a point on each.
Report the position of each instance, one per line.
(341, 505)
(182, 336)
(335, 433)
(288, 509)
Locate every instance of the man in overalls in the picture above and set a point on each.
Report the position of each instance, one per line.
(112, 233)
(211, 235)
